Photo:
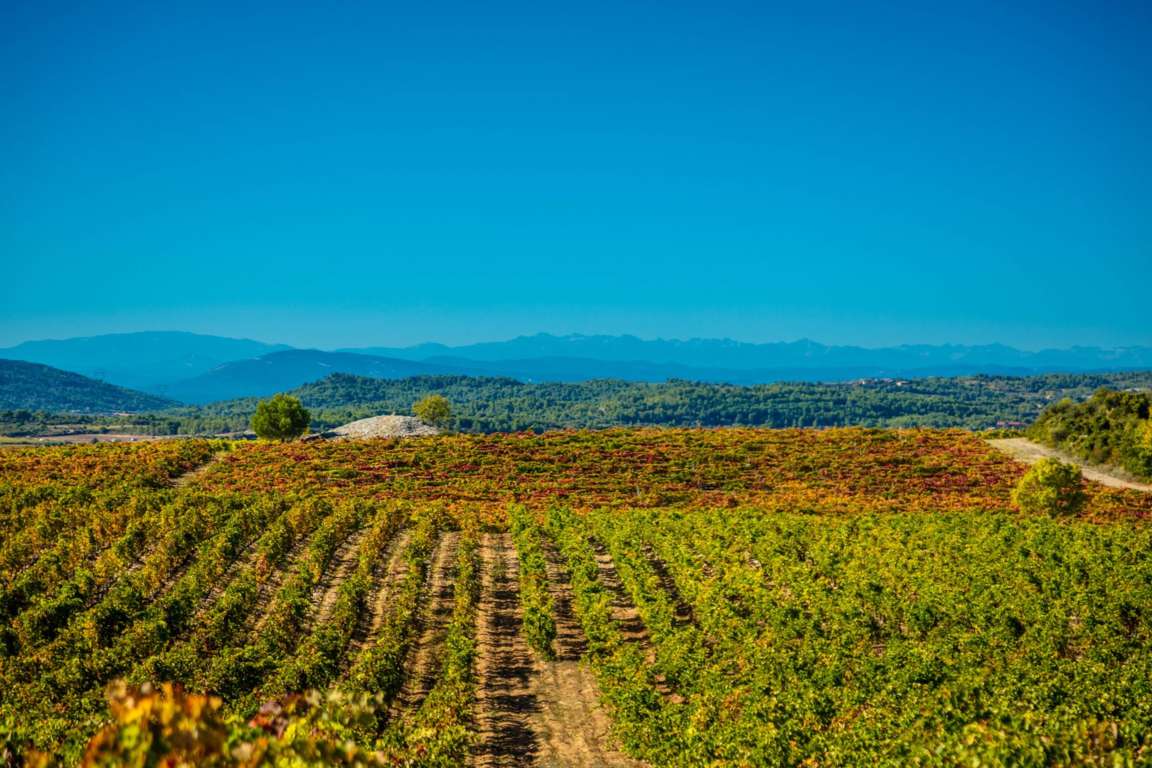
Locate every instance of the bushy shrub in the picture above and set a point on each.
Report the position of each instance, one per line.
(1051, 487)
(163, 725)
(434, 410)
(281, 418)
(1138, 457)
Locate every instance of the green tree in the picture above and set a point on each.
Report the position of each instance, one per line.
(1050, 487)
(282, 418)
(1138, 453)
(434, 410)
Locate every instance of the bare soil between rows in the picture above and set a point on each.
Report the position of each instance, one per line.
(424, 664)
(389, 574)
(506, 696)
(571, 726)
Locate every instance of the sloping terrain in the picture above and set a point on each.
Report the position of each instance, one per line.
(144, 360)
(195, 368)
(624, 597)
(282, 371)
(35, 387)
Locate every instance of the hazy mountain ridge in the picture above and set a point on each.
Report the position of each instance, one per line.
(196, 368)
(285, 370)
(144, 360)
(801, 354)
(281, 371)
(36, 387)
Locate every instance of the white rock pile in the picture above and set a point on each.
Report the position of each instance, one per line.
(384, 426)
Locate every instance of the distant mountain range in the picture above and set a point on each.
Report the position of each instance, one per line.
(35, 387)
(145, 360)
(197, 369)
(804, 355)
(281, 371)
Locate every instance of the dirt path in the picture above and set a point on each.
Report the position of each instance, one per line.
(506, 701)
(571, 727)
(181, 481)
(424, 665)
(1023, 449)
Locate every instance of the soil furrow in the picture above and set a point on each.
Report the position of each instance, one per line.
(271, 583)
(186, 478)
(424, 665)
(626, 615)
(683, 613)
(392, 571)
(246, 559)
(344, 562)
(506, 697)
(624, 611)
(571, 727)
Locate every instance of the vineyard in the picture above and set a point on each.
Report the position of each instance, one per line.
(622, 597)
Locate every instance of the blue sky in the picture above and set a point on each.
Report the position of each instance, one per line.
(352, 173)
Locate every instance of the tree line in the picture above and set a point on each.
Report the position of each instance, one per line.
(502, 404)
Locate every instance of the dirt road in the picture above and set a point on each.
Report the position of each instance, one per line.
(1023, 449)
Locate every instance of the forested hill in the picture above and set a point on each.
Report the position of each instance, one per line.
(35, 387)
(500, 404)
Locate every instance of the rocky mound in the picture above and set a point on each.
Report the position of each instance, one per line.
(384, 426)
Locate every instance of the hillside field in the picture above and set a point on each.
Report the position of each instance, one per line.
(681, 597)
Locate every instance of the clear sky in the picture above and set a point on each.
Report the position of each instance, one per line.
(355, 173)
